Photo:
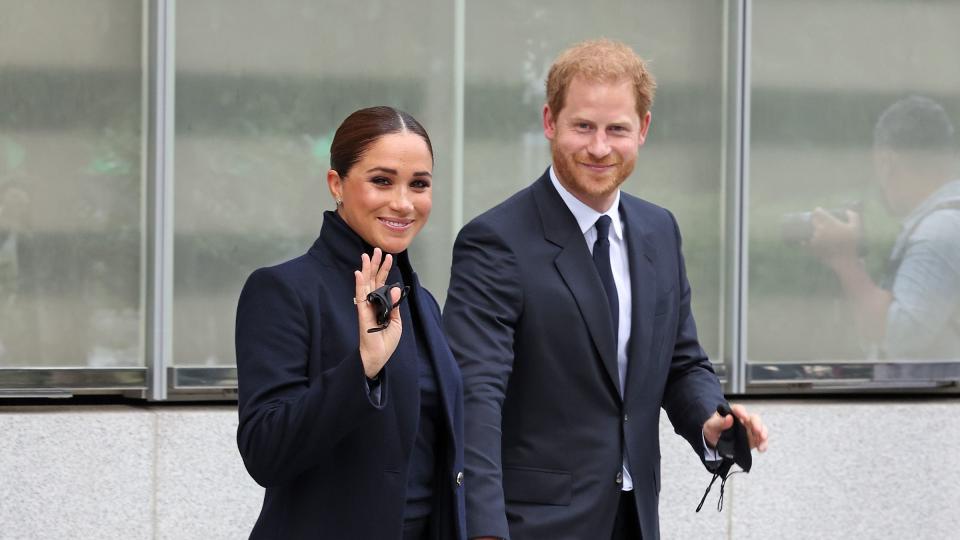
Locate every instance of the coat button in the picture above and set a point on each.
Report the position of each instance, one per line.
(460, 478)
(620, 477)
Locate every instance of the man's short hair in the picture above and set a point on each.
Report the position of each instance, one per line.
(600, 60)
(912, 124)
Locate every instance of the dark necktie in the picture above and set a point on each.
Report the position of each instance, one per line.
(601, 259)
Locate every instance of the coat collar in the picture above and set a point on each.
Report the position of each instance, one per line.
(339, 245)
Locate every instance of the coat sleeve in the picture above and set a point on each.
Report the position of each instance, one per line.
(290, 418)
(693, 390)
(484, 303)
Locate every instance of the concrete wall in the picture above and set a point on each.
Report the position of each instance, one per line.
(836, 469)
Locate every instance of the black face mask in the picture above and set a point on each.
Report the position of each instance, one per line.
(382, 306)
(734, 448)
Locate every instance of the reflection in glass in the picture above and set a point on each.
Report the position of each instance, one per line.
(853, 108)
(260, 89)
(911, 312)
(71, 225)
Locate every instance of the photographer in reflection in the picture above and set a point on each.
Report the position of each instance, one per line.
(914, 311)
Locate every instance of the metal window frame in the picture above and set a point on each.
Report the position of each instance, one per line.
(134, 381)
(734, 103)
(65, 382)
(161, 107)
(928, 376)
(813, 377)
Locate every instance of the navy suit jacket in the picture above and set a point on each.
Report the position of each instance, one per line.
(334, 462)
(546, 427)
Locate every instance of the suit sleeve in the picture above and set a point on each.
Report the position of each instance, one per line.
(693, 390)
(289, 419)
(484, 303)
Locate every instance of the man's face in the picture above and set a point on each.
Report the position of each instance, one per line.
(594, 139)
(903, 179)
(884, 170)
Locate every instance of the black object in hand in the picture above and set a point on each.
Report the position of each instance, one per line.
(733, 447)
(382, 305)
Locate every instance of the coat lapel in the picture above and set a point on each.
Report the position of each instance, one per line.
(436, 350)
(643, 290)
(575, 266)
(404, 373)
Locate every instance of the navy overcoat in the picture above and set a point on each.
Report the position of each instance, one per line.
(333, 459)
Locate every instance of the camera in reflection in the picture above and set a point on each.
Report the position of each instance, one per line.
(796, 228)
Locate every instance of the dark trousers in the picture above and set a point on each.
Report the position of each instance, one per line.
(627, 524)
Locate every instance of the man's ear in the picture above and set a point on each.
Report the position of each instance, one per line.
(644, 127)
(549, 123)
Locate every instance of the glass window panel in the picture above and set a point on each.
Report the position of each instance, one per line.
(71, 184)
(680, 166)
(261, 88)
(823, 74)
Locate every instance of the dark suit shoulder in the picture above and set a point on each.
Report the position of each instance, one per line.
(648, 212)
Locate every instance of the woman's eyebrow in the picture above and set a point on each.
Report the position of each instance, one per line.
(383, 169)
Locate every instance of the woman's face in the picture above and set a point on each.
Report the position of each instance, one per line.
(387, 194)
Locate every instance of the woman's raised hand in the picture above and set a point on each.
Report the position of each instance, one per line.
(377, 347)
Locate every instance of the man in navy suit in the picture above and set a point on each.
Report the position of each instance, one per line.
(569, 314)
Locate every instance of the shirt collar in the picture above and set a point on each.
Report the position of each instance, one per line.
(948, 192)
(587, 217)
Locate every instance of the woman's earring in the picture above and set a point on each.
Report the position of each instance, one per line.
(339, 201)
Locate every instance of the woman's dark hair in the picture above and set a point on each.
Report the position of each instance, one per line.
(362, 128)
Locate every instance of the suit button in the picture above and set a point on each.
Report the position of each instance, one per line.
(620, 477)
(459, 478)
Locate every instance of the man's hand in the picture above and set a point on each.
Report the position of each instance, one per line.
(756, 431)
(834, 241)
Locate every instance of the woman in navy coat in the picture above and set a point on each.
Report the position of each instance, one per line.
(354, 434)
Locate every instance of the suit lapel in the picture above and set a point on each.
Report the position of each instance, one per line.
(643, 289)
(579, 274)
